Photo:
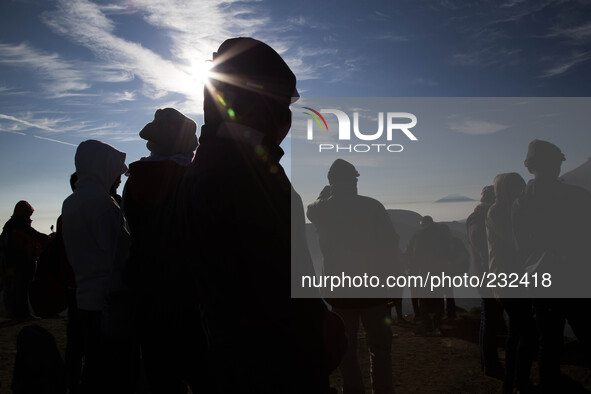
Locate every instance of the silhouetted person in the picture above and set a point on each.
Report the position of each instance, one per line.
(322, 331)
(38, 366)
(505, 259)
(97, 244)
(23, 245)
(168, 324)
(75, 327)
(551, 223)
(357, 236)
(458, 264)
(491, 318)
(429, 252)
(237, 207)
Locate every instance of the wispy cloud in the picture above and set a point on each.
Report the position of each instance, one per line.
(476, 127)
(487, 56)
(62, 76)
(196, 28)
(58, 76)
(120, 97)
(425, 82)
(53, 140)
(43, 124)
(306, 22)
(3, 130)
(578, 34)
(390, 37)
(566, 64)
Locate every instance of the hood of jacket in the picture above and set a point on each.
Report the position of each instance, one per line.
(98, 164)
(508, 187)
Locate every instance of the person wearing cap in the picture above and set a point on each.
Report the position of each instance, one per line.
(491, 318)
(235, 202)
(553, 219)
(167, 323)
(23, 245)
(96, 239)
(356, 236)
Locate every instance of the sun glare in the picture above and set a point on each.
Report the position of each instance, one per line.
(199, 70)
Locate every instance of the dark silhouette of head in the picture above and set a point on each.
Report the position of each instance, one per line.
(487, 195)
(508, 187)
(544, 159)
(426, 221)
(170, 133)
(250, 84)
(342, 177)
(38, 366)
(22, 210)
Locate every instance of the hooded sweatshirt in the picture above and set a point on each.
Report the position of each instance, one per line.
(94, 229)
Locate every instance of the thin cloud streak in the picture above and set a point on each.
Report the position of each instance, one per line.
(52, 140)
(476, 127)
(27, 123)
(566, 64)
(11, 131)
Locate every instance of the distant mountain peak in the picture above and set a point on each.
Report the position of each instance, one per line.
(580, 176)
(455, 198)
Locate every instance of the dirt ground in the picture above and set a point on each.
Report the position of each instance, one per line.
(446, 364)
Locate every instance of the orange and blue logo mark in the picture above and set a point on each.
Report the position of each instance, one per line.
(316, 118)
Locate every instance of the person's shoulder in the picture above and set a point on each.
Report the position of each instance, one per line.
(493, 212)
(370, 202)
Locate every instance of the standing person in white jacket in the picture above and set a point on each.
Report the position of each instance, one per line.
(96, 241)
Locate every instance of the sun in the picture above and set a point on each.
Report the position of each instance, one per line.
(199, 70)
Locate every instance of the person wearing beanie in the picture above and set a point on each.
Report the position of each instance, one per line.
(356, 236)
(237, 205)
(23, 245)
(551, 224)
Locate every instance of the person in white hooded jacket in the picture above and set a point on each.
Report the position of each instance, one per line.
(96, 240)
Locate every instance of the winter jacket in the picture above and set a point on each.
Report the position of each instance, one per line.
(554, 218)
(148, 204)
(356, 236)
(236, 203)
(94, 230)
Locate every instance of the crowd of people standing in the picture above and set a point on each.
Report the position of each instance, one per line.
(168, 279)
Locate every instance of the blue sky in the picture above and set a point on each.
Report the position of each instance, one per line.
(72, 70)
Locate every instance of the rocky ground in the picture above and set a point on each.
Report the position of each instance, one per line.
(446, 364)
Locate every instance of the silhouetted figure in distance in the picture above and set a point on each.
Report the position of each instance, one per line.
(429, 252)
(23, 245)
(357, 236)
